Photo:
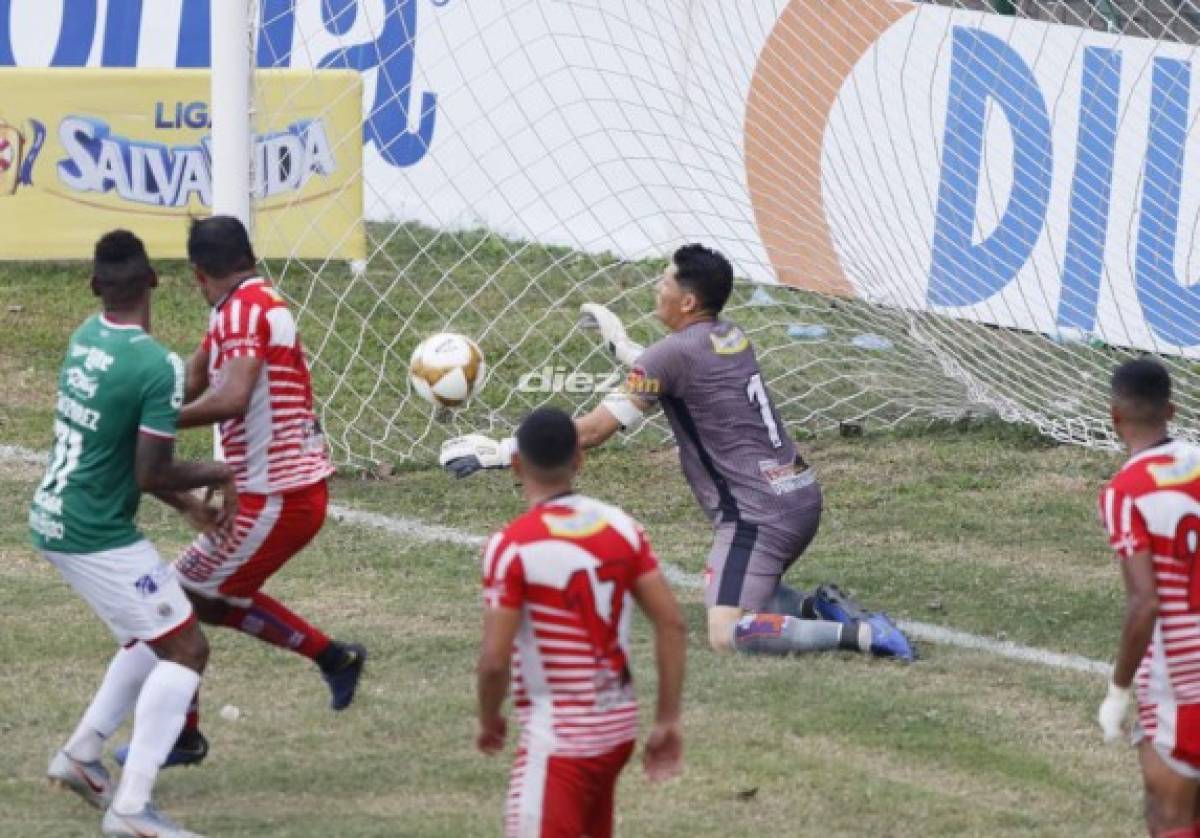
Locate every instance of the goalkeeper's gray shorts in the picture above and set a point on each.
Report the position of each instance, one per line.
(748, 560)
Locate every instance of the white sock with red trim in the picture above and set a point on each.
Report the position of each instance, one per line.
(114, 700)
(161, 710)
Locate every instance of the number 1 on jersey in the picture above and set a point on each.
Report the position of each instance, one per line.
(757, 393)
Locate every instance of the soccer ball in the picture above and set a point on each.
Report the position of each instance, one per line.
(447, 369)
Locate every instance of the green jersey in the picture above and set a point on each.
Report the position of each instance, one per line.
(115, 383)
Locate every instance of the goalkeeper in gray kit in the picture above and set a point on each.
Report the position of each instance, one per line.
(762, 498)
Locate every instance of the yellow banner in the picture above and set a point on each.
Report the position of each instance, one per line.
(86, 151)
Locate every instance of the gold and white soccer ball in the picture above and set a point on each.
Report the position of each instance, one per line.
(446, 369)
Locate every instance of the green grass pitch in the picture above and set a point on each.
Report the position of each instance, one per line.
(987, 530)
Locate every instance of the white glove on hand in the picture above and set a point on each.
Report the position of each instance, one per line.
(465, 455)
(1112, 713)
(612, 332)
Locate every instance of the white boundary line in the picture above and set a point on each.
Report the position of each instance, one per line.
(17, 454)
(409, 528)
(413, 529)
(1005, 648)
(420, 531)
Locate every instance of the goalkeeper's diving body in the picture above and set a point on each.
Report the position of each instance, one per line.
(741, 464)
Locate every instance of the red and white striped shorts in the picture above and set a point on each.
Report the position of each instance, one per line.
(1174, 730)
(268, 530)
(563, 797)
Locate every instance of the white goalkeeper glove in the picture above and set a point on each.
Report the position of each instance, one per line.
(612, 332)
(465, 455)
(1112, 713)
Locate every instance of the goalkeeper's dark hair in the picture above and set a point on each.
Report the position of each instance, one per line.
(706, 273)
(121, 271)
(220, 246)
(547, 439)
(1142, 390)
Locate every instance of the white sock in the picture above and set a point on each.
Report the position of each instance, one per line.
(117, 694)
(161, 711)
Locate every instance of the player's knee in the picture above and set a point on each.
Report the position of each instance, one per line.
(189, 648)
(193, 651)
(1164, 815)
(199, 650)
(720, 634)
(720, 643)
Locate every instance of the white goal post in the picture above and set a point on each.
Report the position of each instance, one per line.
(232, 129)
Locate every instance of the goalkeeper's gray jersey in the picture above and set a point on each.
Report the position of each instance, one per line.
(736, 454)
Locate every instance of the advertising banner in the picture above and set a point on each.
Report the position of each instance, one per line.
(86, 151)
(987, 168)
(1002, 170)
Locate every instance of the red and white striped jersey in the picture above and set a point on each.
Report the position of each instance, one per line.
(278, 445)
(1153, 504)
(569, 565)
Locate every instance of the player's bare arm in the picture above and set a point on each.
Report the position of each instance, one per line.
(596, 427)
(198, 513)
(1141, 613)
(229, 400)
(159, 473)
(196, 379)
(493, 673)
(663, 755)
(603, 421)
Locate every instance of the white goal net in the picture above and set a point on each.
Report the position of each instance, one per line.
(937, 210)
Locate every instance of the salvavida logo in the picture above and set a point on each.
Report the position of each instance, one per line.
(18, 151)
(129, 31)
(155, 174)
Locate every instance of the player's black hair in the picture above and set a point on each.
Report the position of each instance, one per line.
(220, 246)
(547, 439)
(706, 273)
(121, 270)
(1142, 388)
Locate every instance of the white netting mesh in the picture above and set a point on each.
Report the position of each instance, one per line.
(525, 156)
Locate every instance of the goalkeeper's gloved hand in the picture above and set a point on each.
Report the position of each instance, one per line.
(1112, 713)
(612, 332)
(465, 455)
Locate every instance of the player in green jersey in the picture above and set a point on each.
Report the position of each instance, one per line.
(119, 394)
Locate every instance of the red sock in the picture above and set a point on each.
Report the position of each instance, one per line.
(270, 620)
(193, 713)
(1180, 832)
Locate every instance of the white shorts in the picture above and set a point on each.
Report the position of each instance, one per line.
(130, 588)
